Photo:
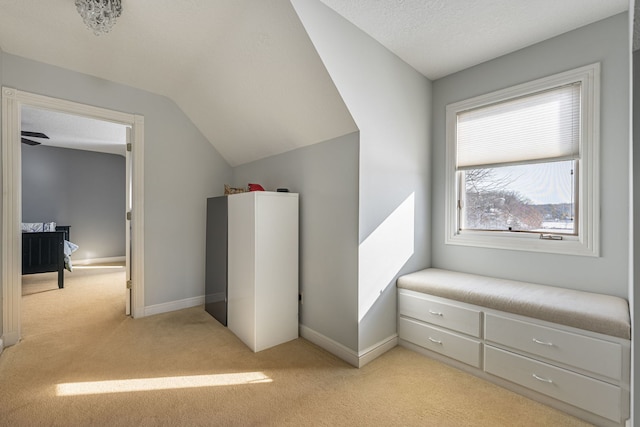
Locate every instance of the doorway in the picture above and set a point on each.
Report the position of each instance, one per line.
(12, 102)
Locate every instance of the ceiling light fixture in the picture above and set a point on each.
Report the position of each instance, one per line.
(99, 15)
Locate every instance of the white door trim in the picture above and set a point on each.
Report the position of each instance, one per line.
(12, 102)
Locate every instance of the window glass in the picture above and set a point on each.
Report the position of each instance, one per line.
(538, 197)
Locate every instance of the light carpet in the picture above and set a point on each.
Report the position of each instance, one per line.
(82, 362)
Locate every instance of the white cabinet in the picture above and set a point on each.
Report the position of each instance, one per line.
(263, 268)
(584, 373)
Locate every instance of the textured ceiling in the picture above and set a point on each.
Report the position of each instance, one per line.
(440, 37)
(245, 71)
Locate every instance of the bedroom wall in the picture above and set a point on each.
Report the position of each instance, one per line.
(390, 103)
(182, 169)
(326, 177)
(82, 189)
(605, 41)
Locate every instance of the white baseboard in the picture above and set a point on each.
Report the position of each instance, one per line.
(357, 359)
(10, 339)
(377, 350)
(91, 261)
(1, 345)
(173, 306)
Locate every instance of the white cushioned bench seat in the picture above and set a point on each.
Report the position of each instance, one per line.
(604, 314)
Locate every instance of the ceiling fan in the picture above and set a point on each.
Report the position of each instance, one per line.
(32, 135)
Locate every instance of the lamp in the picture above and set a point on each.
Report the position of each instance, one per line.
(99, 15)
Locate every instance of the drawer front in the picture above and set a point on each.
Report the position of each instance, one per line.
(447, 343)
(591, 354)
(578, 390)
(449, 316)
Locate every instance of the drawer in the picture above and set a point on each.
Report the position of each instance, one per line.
(578, 390)
(587, 353)
(447, 343)
(450, 316)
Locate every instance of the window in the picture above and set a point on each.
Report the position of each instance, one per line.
(522, 166)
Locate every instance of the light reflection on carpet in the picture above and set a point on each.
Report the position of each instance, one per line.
(164, 383)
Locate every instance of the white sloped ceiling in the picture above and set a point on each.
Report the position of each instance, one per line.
(244, 71)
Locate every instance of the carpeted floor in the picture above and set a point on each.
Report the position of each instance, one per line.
(83, 363)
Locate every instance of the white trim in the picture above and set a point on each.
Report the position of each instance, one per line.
(173, 306)
(10, 338)
(1, 345)
(356, 359)
(137, 218)
(11, 208)
(93, 261)
(588, 242)
(12, 102)
(376, 350)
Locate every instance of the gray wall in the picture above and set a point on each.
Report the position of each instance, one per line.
(390, 103)
(326, 177)
(82, 189)
(182, 169)
(605, 41)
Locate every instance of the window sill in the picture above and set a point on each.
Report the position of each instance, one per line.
(569, 245)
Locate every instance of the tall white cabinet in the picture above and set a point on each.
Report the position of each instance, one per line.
(262, 304)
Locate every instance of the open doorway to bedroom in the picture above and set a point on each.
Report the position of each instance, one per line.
(74, 189)
(35, 110)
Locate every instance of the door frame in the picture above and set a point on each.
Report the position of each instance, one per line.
(12, 102)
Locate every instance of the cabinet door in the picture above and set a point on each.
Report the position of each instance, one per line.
(276, 268)
(241, 299)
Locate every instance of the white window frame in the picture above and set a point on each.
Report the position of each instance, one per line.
(586, 243)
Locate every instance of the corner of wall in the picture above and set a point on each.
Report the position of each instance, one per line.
(353, 358)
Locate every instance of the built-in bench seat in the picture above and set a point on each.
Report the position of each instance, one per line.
(604, 314)
(566, 348)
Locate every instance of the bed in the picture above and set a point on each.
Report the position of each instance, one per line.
(46, 248)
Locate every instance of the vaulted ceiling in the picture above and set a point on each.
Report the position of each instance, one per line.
(245, 71)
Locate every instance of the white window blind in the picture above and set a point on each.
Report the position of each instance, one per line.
(539, 127)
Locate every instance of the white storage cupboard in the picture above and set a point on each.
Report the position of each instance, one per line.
(262, 307)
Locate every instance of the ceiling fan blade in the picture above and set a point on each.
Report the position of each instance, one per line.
(34, 134)
(29, 142)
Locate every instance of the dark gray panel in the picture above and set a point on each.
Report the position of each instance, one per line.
(216, 259)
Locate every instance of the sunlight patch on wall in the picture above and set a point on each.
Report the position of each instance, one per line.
(383, 254)
(164, 383)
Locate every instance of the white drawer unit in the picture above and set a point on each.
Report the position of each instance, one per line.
(447, 343)
(579, 351)
(436, 312)
(581, 372)
(598, 397)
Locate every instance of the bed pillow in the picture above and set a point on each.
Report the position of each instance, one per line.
(32, 227)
